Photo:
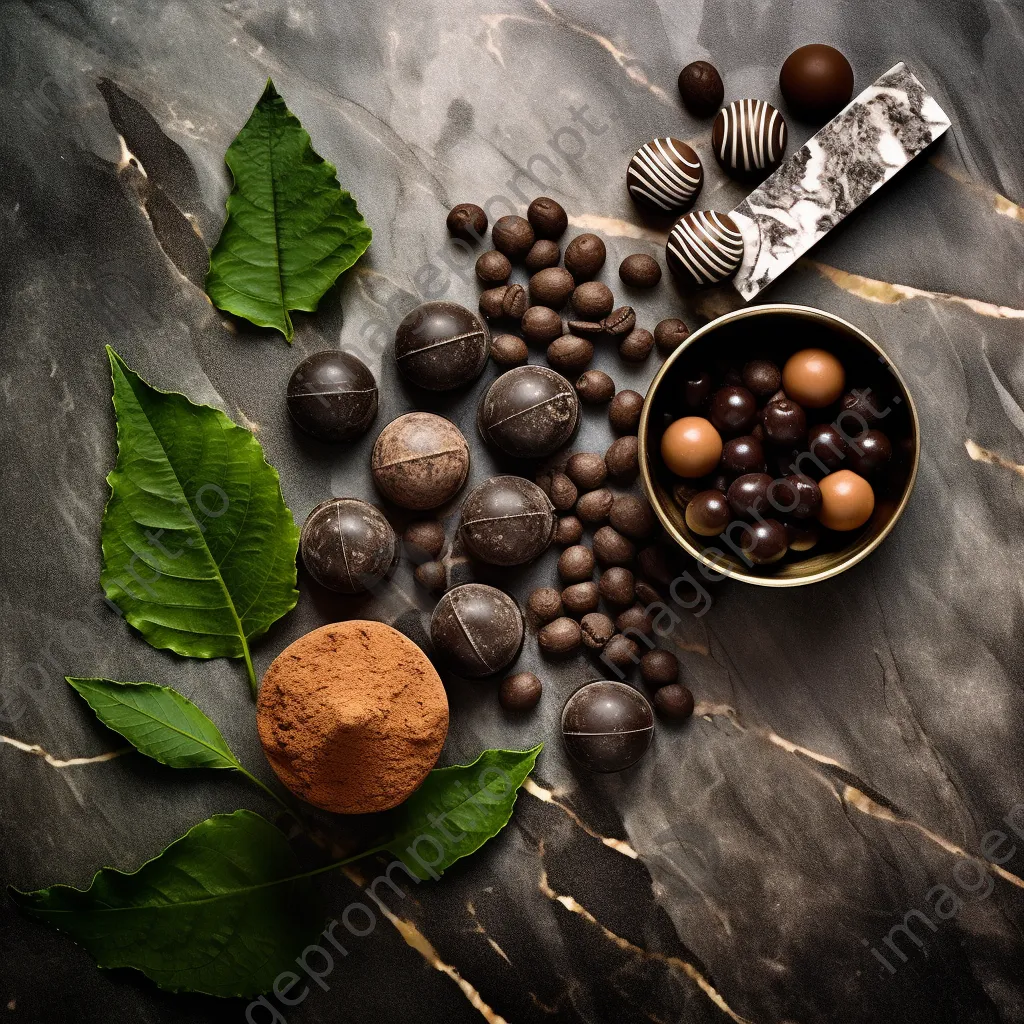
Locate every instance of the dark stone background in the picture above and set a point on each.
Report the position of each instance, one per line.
(858, 738)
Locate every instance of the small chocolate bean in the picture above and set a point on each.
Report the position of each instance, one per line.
(640, 271)
(493, 267)
(637, 345)
(568, 531)
(621, 652)
(617, 586)
(508, 350)
(635, 619)
(551, 287)
(431, 576)
(580, 598)
(543, 254)
(584, 256)
(586, 470)
(520, 692)
(674, 702)
(595, 387)
(467, 221)
(548, 218)
(647, 595)
(633, 516)
(563, 636)
(576, 564)
(596, 629)
(612, 548)
(619, 322)
(544, 605)
(424, 540)
(593, 300)
(659, 668)
(624, 412)
(491, 302)
(587, 328)
(623, 459)
(541, 324)
(514, 302)
(594, 506)
(513, 236)
(670, 334)
(569, 354)
(563, 493)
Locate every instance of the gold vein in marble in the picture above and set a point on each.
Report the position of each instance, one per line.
(479, 929)
(1003, 206)
(547, 796)
(889, 294)
(616, 228)
(979, 454)
(56, 762)
(675, 962)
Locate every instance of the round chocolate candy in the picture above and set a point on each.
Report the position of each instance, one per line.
(477, 630)
(749, 138)
(548, 218)
(708, 513)
(762, 377)
(827, 445)
(607, 726)
(813, 377)
(817, 81)
(847, 501)
(420, 460)
(332, 396)
(529, 412)
(765, 542)
(704, 247)
(441, 346)
(796, 495)
(520, 692)
(507, 520)
(467, 221)
(639, 270)
(585, 256)
(673, 702)
(748, 495)
(733, 410)
(691, 447)
(513, 236)
(784, 422)
(551, 287)
(701, 88)
(870, 452)
(743, 455)
(347, 545)
(493, 267)
(665, 176)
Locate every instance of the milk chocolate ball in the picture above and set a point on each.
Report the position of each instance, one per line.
(607, 726)
(420, 460)
(847, 501)
(701, 88)
(441, 346)
(332, 396)
(813, 377)
(507, 520)
(817, 81)
(347, 545)
(529, 412)
(691, 447)
(477, 630)
(708, 513)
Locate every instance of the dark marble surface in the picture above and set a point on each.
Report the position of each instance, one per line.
(854, 742)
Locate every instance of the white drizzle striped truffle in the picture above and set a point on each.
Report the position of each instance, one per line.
(748, 137)
(665, 175)
(704, 247)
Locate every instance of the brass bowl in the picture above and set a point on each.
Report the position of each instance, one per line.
(775, 332)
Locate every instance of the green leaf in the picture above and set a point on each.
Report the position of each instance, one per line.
(220, 911)
(159, 722)
(198, 545)
(291, 228)
(459, 809)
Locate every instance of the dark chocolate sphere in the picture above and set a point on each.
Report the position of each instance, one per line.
(476, 630)
(743, 455)
(701, 87)
(733, 410)
(795, 495)
(507, 520)
(607, 726)
(784, 422)
(529, 412)
(441, 346)
(420, 460)
(332, 396)
(347, 545)
(817, 81)
(765, 542)
(748, 495)
(870, 452)
(708, 513)
(827, 445)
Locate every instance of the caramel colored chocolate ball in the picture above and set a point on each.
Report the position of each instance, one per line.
(847, 501)
(813, 378)
(817, 81)
(420, 460)
(691, 447)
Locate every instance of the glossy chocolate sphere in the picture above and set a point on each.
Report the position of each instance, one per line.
(813, 378)
(847, 501)
(691, 447)
(607, 726)
(507, 520)
(733, 410)
(748, 495)
(708, 513)
(817, 81)
(332, 396)
(347, 545)
(440, 346)
(477, 630)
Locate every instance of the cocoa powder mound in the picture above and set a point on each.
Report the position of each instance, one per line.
(352, 717)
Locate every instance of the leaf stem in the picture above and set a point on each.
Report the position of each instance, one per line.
(266, 789)
(248, 665)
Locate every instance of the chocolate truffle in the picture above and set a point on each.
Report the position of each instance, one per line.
(529, 412)
(607, 726)
(704, 248)
(467, 221)
(639, 270)
(548, 218)
(749, 138)
(816, 81)
(520, 692)
(352, 717)
(813, 377)
(665, 176)
(513, 236)
(708, 513)
(332, 396)
(507, 520)
(347, 545)
(441, 346)
(585, 256)
(701, 88)
(420, 460)
(476, 630)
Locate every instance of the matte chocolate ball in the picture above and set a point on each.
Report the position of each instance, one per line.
(520, 692)
(569, 354)
(476, 630)
(762, 377)
(708, 513)
(513, 236)
(551, 287)
(674, 702)
(585, 256)
(691, 447)
(733, 410)
(568, 531)
(347, 545)
(817, 81)
(508, 350)
(493, 267)
(587, 470)
(467, 221)
(507, 520)
(659, 668)
(576, 564)
(595, 387)
(765, 542)
(548, 218)
(701, 88)
(332, 396)
(632, 516)
(420, 460)
(541, 324)
(593, 300)
(640, 271)
(670, 334)
(544, 605)
(543, 254)
(441, 346)
(529, 412)
(607, 726)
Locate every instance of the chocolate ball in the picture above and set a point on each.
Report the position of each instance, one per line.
(673, 702)
(347, 545)
(748, 495)
(508, 350)
(580, 598)
(670, 334)
(332, 396)
(765, 542)
(795, 495)
(593, 300)
(733, 410)
(762, 377)
(541, 324)
(595, 387)
(544, 605)
(749, 138)
(587, 470)
(640, 271)
(559, 638)
(870, 452)
(743, 455)
(520, 692)
(424, 540)
(632, 516)
(623, 459)
(704, 247)
(585, 256)
(827, 445)
(467, 221)
(691, 446)
(862, 406)
(617, 586)
(624, 412)
(665, 175)
(636, 346)
(701, 88)
(659, 668)
(784, 422)
(569, 354)
(543, 254)
(607, 726)
(420, 460)
(569, 530)
(813, 377)
(476, 630)
(816, 81)
(441, 346)
(493, 267)
(513, 236)
(431, 576)
(529, 412)
(847, 501)
(507, 520)
(708, 513)
(697, 389)
(548, 218)
(551, 287)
